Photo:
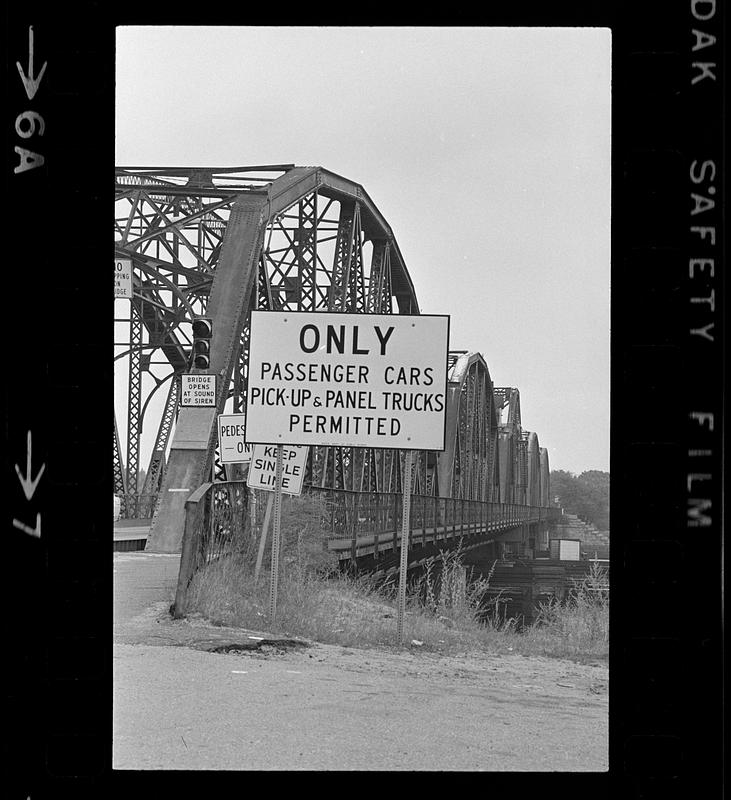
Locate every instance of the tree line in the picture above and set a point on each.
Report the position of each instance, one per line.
(586, 495)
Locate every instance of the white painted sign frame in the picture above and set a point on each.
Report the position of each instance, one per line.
(351, 380)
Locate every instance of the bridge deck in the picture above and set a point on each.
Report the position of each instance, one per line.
(131, 534)
(375, 543)
(133, 537)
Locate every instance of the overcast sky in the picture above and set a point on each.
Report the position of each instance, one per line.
(486, 149)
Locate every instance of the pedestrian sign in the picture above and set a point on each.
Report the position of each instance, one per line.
(233, 448)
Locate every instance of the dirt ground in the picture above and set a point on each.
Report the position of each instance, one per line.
(279, 705)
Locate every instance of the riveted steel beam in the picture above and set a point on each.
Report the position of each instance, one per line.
(468, 457)
(187, 226)
(156, 469)
(134, 405)
(120, 486)
(191, 452)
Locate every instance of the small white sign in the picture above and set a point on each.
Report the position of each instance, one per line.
(361, 380)
(233, 448)
(569, 550)
(565, 549)
(198, 390)
(123, 278)
(263, 468)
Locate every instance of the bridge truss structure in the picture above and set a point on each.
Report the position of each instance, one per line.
(220, 242)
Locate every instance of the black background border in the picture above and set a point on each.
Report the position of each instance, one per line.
(666, 696)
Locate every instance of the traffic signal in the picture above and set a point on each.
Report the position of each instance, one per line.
(202, 333)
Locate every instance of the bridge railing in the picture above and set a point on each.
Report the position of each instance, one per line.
(137, 506)
(355, 523)
(215, 525)
(362, 522)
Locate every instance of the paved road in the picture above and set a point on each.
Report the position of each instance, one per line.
(141, 579)
(177, 706)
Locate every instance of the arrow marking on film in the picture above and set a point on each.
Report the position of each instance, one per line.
(31, 84)
(32, 531)
(28, 484)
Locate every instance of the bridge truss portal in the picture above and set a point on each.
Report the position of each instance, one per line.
(221, 242)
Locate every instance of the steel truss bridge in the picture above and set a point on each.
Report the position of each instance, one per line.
(221, 242)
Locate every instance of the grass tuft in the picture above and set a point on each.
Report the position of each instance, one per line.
(577, 626)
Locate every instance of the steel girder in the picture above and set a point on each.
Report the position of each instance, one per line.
(134, 406)
(533, 469)
(466, 468)
(173, 241)
(222, 242)
(156, 469)
(545, 477)
(120, 486)
(523, 464)
(512, 451)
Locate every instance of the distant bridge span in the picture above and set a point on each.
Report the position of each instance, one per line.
(222, 242)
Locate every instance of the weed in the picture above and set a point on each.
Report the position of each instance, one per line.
(448, 608)
(577, 625)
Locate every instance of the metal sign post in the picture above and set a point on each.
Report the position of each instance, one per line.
(263, 538)
(276, 536)
(333, 379)
(252, 511)
(405, 528)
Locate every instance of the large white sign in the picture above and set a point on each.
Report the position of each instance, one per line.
(123, 277)
(263, 468)
(232, 445)
(198, 390)
(362, 380)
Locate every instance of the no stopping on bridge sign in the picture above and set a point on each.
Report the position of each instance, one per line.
(361, 380)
